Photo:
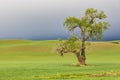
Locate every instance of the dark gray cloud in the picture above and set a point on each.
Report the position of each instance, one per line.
(43, 19)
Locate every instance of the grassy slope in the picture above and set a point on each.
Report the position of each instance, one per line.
(30, 60)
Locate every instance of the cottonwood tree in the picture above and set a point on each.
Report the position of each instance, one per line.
(91, 26)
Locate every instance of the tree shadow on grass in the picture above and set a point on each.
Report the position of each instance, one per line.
(78, 65)
(91, 65)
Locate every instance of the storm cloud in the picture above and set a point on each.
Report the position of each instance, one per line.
(43, 19)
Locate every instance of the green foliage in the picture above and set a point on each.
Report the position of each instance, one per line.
(92, 24)
(90, 11)
(72, 23)
(72, 44)
(94, 13)
(69, 45)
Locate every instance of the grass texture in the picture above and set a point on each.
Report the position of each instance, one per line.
(38, 60)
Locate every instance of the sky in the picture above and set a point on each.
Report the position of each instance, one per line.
(43, 19)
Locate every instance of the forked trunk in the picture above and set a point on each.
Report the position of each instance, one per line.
(81, 60)
(81, 55)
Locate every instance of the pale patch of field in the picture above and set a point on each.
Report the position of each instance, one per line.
(73, 76)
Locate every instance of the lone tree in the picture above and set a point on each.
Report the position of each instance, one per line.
(91, 26)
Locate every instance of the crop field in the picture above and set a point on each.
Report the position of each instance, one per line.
(38, 60)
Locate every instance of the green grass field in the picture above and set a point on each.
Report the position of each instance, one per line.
(37, 60)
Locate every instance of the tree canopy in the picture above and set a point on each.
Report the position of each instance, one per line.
(91, 26)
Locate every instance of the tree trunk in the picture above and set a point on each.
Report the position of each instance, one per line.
(81, 60)
(81, 56)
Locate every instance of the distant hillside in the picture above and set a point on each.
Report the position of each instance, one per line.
(36, 50)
